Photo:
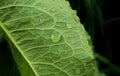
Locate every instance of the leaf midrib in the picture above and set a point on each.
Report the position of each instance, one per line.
(18, 48)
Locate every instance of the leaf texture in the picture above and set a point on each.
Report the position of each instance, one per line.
(46, 38)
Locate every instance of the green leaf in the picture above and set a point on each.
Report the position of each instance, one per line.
(1, 35)
(46, 38)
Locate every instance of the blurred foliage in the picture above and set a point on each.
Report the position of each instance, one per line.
(102, 19)
(8, 66)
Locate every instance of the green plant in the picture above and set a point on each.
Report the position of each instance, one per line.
(45, 38)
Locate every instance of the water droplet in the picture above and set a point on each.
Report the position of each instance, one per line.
(77, 71)
(55, 37)
(69, 25)
(53, 10)
(61, 6)
(40, 68)
(76, 18)
(45, 8)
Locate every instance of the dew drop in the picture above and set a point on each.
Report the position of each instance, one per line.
(55, 37)
(69, 25)
(76, 19)
(77, 71)
(53, 10)
(40, 68)
(45, 8)
(61, 6)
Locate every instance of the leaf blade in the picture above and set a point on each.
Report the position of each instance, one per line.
(30, 29)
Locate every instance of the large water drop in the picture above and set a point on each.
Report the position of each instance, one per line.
(55, 37)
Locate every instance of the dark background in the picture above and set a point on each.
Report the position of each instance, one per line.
(101, 19)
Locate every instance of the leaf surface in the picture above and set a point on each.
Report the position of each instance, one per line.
(46, 38)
